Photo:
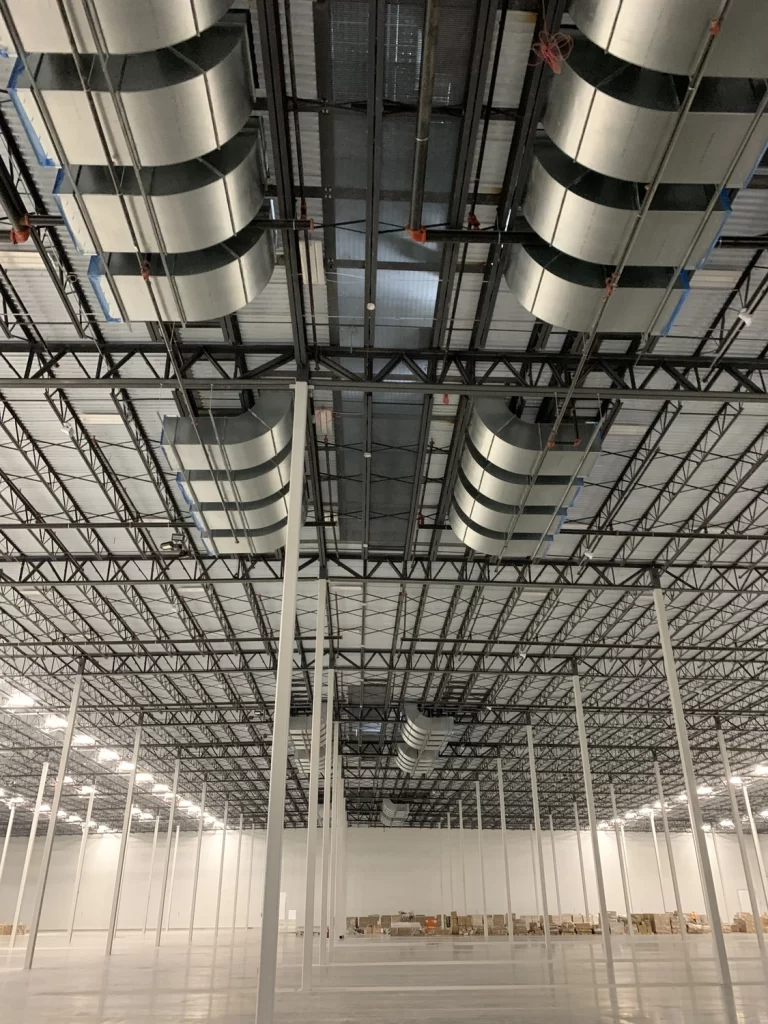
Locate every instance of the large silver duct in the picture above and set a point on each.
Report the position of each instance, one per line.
(300, 736)
(665, 35)
(422, 740)
(129, 26)
(237, 489)
(499, 507)
(393, 814)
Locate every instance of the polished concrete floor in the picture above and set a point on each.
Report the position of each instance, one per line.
(379, 979)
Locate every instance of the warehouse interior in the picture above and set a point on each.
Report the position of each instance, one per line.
(383, 510)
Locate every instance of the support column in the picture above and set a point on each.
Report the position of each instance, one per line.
(720, 872)
(335, 839)
(80, 862)
(196, 871)
(326, 847)
(314, 783)
(45, 865)
(7, 840)
(265, 997)
(173, 878)
(736, 814)
(237, 876)
(441, 915)
(151, 872)
(622, 864)
(221, 872)
(450, 866)
(167, 858)
(482, 859)
(535, 870)
(554, 866)
(658, 859)
(756, 842)
(250, 878)
(705, 867)
(581, 858)
(605, 923)
(537, 829)
(112, 927)
(505, 850)
(28, 855)
(670, 854)
(461, 851)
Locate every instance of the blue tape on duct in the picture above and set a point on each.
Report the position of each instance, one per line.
(685, 281)
(97, 277)
(43, 158)
(77, 242)
(725, 199)
(202, 526)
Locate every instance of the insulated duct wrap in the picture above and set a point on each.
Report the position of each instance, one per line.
(422, 740)
(499, 506)
(237, 490)
(393, 814)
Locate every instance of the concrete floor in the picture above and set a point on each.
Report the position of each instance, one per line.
(381, 979)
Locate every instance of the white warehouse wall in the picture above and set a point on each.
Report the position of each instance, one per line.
(387, 871)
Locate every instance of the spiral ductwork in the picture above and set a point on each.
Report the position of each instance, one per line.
(666, 35)
(422, 740)
(502, 504)
(393, 814)
(236, 484)
(174, 219)
(300, 736)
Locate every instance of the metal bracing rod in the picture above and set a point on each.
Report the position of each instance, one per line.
(173, 878)
(505, 850)
(314, 783)
(265, 997)
(481, 858)
(326, 846)
(45, 866)
(167, 857)
(7, 840)
(756, 841)
(221, 872)
(461, 851)
(116, 889)
(80, 863)
(537, 830)
(681, 729)
(605, 923)
(450, 865)
(535, 871)
(736, 814)
(149, 875)
(28, 855)
(670, 852)
(237, 876)
(622, 864)
(581, 858)
(196, 869)
(658, 859)
(554, 866)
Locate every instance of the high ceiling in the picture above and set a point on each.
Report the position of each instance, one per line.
(398, 338)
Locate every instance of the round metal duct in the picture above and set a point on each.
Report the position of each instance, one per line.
(128, 26)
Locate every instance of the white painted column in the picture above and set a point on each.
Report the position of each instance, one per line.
(482, 859)
(7, 840)
(326, 846)
(461, 851)
(535, 869)
(28, 855)
(196, 870)
(338, 790)
(221, 872)
(720, 873)
(80, 862)
(173, 878)
(237, 876)
(167, 857)
(116, 889)
(250, 878)
(605, 922)
(658, 859)
(670, 852)
(537, 829)
(756, 843)
(151, 871)
(45, 864)
(505, 850)
(270, 923)
(450, 866)
(694, 808)
(581, 859)
(736, 815)
(554, 867)
(441, 915)
(314, 784)
(622, 864)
